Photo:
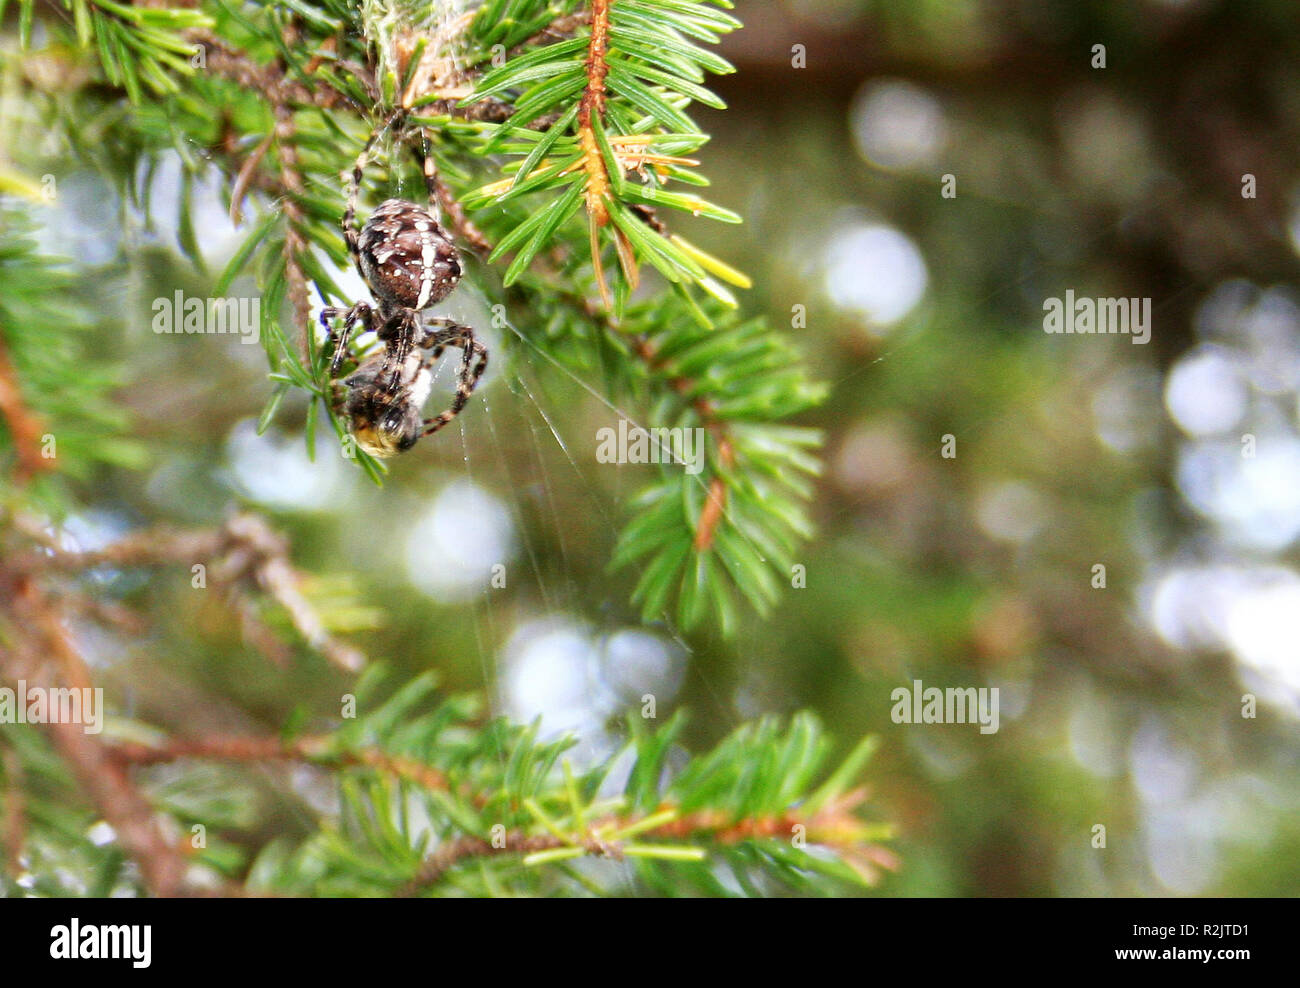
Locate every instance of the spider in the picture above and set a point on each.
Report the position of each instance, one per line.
(409, 263)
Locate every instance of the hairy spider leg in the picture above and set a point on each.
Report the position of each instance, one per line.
(399, 339)
(351, 233)
(443, 201)
(360, 313)
(453, 334)
(432, 184)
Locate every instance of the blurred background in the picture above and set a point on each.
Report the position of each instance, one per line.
(1174, 465)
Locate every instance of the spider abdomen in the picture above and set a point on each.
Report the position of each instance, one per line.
(406, 257)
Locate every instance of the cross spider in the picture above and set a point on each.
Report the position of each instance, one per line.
(409, 263)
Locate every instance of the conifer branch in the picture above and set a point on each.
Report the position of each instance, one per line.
(295, 244)
(591, 114)
(45, 657)
(13, 823)
(715, 506)
(243, 556)
(310, 749)
(834, 828)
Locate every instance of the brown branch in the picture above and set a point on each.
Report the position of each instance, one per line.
(592, 104)
(715, 506)
(313, 749)
(243, 554)
(269, 80)
(592, 107)
(45, 656)
(833, 826)
(295, 245)
(452, 852)
(24, 427)
(148, 547)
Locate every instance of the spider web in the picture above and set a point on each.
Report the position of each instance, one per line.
(519, 415)
(516, 441)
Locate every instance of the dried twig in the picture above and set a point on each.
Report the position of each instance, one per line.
(244, 554)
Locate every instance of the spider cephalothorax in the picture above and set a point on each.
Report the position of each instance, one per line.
(409, 263)
(383, 421)
(386, 420)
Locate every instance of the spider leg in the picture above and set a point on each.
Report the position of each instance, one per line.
(432, 183)
(351, 233)
(399, 339)
(471, 370)
(359, 313)
(440, 333)
(338, 397)
(441, 200)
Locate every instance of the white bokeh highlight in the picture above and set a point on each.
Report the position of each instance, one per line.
(897, 124)
(876, 272)
(452, 547)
